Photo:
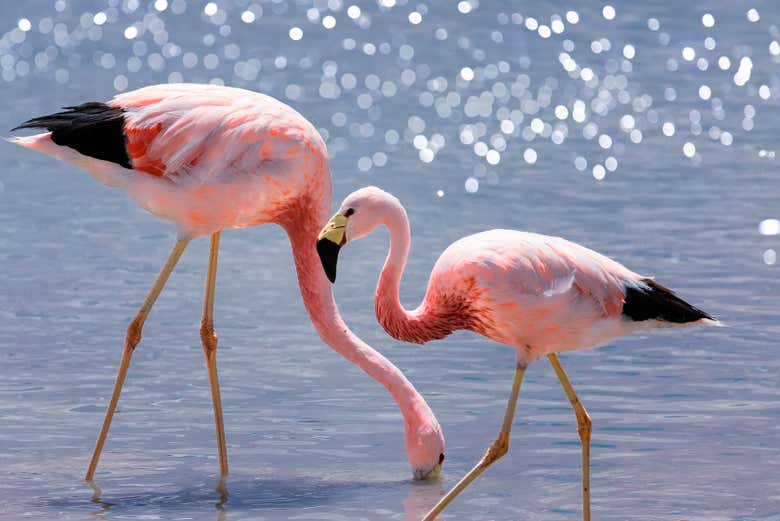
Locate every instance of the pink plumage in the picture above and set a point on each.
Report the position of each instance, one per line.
(540, 294)
(207, 158)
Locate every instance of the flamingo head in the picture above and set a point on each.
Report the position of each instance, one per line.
(425, 449)
(360, 213)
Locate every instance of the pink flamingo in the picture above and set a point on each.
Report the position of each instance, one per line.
(209, 158)
(539, 294)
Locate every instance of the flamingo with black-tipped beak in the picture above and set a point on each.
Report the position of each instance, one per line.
(540, 294)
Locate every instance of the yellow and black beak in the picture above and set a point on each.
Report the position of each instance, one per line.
(329, 242)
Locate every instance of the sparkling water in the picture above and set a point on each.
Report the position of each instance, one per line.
(646, 130)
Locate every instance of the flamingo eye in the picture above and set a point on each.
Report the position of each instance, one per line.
(349, 212)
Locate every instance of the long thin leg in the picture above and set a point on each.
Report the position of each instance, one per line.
(494, 452)
(584, 429)
(209, 339)
(131, 340)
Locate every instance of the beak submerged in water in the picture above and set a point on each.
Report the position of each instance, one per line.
(329, 242)
(432, 475)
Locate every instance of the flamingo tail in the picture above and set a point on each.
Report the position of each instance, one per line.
(649, 300)
(90, 136)
(92, 129)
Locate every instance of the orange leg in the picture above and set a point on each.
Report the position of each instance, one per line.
(131, 340)
(494, 452)
(209, 339)
(584, 429)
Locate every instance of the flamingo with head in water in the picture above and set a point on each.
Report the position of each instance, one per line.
(208, 158)
(540, 294)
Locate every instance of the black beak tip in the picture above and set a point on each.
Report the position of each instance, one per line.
(329, 256)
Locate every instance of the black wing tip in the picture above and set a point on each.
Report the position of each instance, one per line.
(653, 301)
(94, 129)
(91, 112)
(31, 123)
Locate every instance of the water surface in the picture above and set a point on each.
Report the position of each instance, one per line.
(685, 423)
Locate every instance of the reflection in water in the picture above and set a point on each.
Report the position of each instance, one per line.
(422, 496)
(104, 505)
(624, 130)
(261, 495)
(222, 490)
(221, 511)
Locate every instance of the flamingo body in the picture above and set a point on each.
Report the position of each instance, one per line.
(206, 157)
(210, 158)
(538, 293)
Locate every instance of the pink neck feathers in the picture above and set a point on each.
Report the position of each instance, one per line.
(317, 293)
(437, 316)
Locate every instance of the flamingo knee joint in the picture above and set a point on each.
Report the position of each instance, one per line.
(134, 334)
(496, 450)
(208, 336)
(584, 424)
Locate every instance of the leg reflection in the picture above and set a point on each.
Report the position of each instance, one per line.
(221, 511)
(105, 506)
(223, 499)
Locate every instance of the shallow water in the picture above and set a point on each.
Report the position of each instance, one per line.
(685, 423)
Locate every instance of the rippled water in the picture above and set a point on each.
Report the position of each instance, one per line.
(622, 131)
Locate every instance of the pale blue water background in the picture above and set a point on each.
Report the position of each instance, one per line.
(685, 423)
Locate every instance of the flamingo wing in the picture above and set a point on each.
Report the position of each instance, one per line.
(525, 267)
(181, 132)
(532, 268)
(202, 131)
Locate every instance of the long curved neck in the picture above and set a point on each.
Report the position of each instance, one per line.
(431, 320)
(317, 293)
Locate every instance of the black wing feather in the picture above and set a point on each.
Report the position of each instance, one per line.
(652, 301)
(93, 129)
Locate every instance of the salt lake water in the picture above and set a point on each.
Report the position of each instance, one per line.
(645, 130)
